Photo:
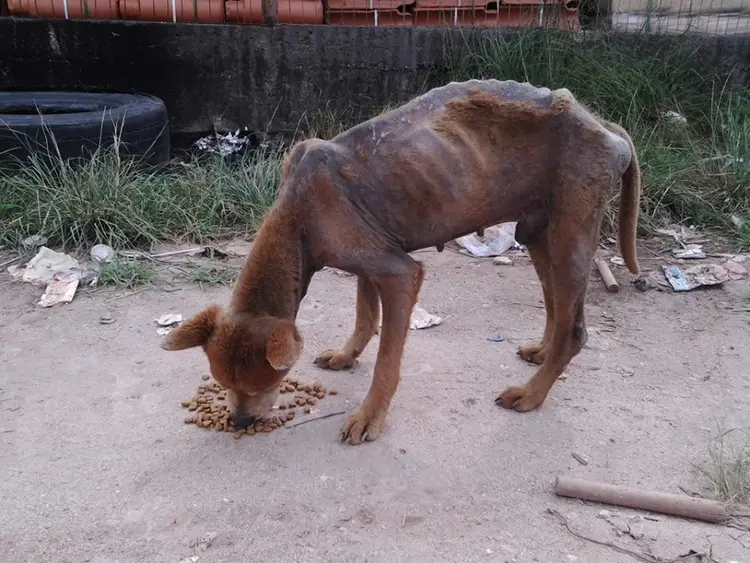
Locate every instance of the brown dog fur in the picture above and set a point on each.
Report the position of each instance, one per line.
(456, 160)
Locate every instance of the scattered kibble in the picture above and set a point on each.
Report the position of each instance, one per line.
(208, 408)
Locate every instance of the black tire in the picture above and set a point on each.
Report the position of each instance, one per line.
(75, 124)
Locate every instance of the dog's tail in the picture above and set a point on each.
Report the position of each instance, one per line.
(630, 198)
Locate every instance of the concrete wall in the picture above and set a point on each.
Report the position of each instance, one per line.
(228, 76)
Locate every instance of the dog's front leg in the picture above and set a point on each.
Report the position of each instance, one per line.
(365, 326)
(398, 294)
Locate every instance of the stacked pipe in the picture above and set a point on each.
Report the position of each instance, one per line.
(455, 13)
(183, 11)
(497, 13)
(378, 13)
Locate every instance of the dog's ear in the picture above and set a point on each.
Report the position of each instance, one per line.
(194, 332)
(284, 346)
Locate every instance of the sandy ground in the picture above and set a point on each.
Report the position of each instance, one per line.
(97, 465)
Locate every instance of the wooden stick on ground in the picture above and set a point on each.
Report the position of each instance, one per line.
(607, 277)
(313, 419)
(663, 503)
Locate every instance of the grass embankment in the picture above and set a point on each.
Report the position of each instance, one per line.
(698, 173)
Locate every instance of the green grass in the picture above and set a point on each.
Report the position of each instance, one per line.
(113, 201)
(699, 174)
(213, 274)
(126, 273)
(727, 470)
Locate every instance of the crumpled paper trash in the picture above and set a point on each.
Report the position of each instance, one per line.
(735, 270)
(695, 276)
(495, 241)
(690, 252)
(59, 272)
(420, 318)
(41, 269)
(61, 291)
(167, 323)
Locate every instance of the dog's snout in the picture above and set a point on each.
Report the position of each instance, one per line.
(240, 420)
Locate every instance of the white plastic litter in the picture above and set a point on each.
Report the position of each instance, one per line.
(495, 241)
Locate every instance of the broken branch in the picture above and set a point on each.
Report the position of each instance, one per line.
(305, 421)
(663, 503)
(607, 277)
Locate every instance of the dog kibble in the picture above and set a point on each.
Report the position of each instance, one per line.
(333, 392)
(208, 409)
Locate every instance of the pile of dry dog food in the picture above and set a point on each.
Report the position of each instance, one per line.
(209, 408)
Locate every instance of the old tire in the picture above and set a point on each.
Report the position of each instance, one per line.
(71, 125)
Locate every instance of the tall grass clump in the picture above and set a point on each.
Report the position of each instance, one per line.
(696, 171)
(727, 470)
(113, 200)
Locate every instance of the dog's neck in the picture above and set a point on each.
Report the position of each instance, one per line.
(277, 272)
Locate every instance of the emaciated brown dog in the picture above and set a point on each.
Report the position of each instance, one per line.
(453, 161)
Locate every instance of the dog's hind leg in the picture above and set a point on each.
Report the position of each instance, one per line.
(570, 265)
(540, 257)
(399, 279)
(365, 326)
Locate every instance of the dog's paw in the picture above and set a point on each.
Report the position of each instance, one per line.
(363, 425)
(335, 359)
(534, 353)
(521, 399)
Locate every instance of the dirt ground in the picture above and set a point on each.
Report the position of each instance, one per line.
(97, 465)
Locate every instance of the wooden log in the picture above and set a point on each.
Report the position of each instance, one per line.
(607, 277)
(663, 503)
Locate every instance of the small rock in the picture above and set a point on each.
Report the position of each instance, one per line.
(502, 261)
(106, 319)
(203, 542)
(645, 282)
(579, 458)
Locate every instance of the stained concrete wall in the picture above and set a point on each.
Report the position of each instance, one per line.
(228, 76)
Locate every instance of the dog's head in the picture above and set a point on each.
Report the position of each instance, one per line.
(249, 356)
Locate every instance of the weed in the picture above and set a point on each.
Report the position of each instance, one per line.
(210, 274)
(126, 273)
(115, 201)
(727, 472)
